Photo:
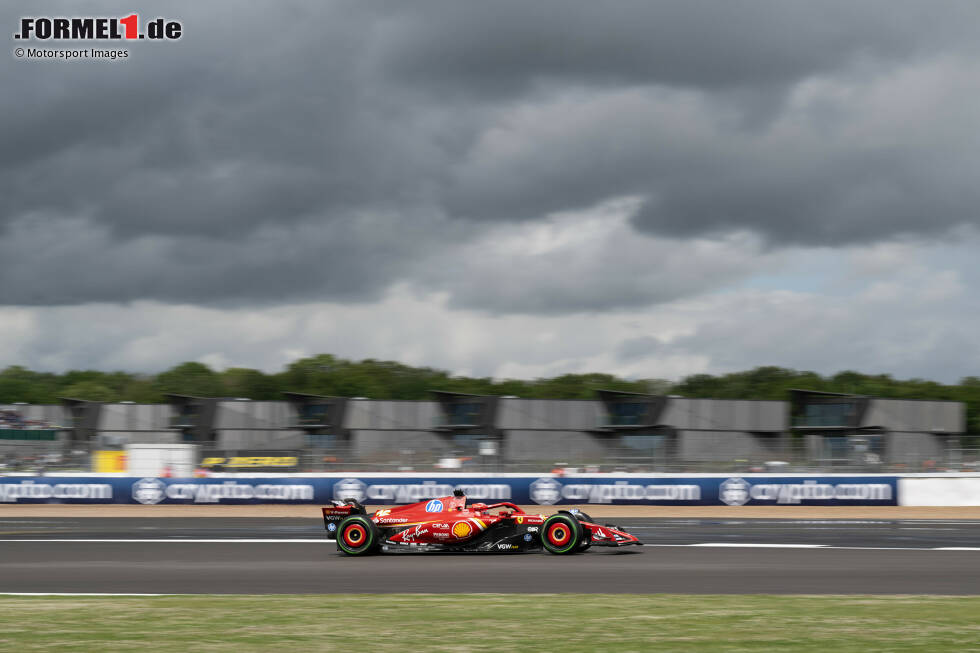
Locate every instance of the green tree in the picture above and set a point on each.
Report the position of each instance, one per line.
(244, 382)
(195, 379)
(326, 374)
(90, 391)
(20, 384)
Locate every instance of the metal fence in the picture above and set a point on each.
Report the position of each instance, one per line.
(18, 456)
(52, 456)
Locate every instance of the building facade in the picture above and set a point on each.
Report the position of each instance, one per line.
(617, 430)
(851, 429)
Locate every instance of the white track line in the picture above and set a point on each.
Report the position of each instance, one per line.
(240, 540)
(719, 545)
(958, 548)
(824, 547)
(76, 594)
(736, 545)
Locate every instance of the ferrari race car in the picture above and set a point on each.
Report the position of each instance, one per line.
(447, 524)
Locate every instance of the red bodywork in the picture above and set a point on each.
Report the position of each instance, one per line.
(448, 522)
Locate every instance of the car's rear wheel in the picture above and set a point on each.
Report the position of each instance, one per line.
(357, 535)
(561, 534)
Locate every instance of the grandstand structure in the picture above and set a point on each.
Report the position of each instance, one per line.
(615, 431)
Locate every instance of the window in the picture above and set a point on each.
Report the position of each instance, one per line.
(314, 414)
(835, 447)
(868, 443)
(466, 443)
(643, 444)
(186, 417)
(322, 440)
(464, 414)
(627, 414)
(837, 414)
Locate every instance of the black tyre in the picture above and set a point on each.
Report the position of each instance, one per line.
(561, 534)
(357, 535)
(586, 537)
(578, 514)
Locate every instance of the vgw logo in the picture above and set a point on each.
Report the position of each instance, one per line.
(734, 492)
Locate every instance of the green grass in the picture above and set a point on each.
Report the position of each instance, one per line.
(564, 623)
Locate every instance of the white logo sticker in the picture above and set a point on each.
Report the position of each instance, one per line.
(349, 488)
(545, 491)
(149, 491)
(734, 492)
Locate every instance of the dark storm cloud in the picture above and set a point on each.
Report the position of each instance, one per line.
(326, 151)
(504, 46)
(739, 61)
(82, 262)
(850, 197)
(220, 132)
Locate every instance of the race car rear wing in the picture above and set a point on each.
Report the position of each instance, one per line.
(337, 512)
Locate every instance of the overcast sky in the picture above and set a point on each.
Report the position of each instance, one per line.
(514, 189)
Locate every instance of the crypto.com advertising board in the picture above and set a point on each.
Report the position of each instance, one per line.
(816, 490)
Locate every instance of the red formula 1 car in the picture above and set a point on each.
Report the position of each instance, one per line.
(447, 524)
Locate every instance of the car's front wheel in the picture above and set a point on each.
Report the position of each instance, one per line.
(357, 535)
(561, 534)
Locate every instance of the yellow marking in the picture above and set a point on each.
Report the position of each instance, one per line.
(109, 461)
(262, 461)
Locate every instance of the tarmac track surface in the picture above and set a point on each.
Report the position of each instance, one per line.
(256, 556)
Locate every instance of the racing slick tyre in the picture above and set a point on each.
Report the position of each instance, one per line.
(586, 537)
(357, 535)
(561, 534)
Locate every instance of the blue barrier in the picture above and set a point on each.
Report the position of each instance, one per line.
(819, 490)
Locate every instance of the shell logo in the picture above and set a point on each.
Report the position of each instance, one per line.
(462, 529)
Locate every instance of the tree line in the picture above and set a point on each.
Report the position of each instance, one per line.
(329, 375)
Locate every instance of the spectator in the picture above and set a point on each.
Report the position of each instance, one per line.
(11, 419)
